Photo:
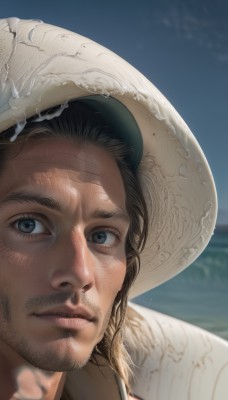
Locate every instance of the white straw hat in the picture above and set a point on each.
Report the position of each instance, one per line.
(42, 66)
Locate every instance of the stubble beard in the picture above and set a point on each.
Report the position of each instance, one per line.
(47, 361)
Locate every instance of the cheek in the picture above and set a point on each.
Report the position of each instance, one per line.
(111, 277)
(110, 283)
(18, 274)
(5, 311)
(19, 257)
(12, 262)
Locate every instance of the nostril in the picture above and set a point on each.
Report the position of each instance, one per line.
(86, 287)
(64, 284)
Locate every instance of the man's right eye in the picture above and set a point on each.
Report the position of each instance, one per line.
(30, 226)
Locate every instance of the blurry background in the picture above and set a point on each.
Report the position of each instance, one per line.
(182, 47)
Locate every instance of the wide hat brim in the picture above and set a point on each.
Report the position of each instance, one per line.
(42, 66)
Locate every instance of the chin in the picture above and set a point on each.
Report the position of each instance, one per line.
(61, 355)
(60, 365)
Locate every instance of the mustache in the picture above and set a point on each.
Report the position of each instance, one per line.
(45, 301)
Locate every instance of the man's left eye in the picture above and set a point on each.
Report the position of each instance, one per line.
(30, 226)
(102, 237)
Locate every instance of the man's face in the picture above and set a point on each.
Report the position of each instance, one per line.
(63, 226)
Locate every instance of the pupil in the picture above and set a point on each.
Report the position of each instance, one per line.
(26, 225)
(100, 237)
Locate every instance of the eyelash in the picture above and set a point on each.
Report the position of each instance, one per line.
(36, 217)
(107, 230)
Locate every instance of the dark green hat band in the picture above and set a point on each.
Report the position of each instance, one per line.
(122, 122)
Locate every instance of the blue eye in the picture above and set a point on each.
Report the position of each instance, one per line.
(99, 237)
(102, 237)
(29, 225)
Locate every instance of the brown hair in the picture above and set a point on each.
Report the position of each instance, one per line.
(81, 122)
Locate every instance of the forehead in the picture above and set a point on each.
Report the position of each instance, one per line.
(63, 162)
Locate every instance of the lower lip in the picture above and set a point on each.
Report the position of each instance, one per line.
(65, 322)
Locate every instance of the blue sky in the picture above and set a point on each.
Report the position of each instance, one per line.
(181, 46)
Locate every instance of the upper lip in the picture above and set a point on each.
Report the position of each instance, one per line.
(69, 312)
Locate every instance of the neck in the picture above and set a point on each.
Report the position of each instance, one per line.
(21, 380)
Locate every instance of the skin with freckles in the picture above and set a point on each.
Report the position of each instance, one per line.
(63, 226)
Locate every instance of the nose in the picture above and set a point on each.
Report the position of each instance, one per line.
(74, 266)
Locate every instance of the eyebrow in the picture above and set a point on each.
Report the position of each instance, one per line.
(116, 213)
(19, 197)
(50, 202)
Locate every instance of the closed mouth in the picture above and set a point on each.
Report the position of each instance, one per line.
(79, 313)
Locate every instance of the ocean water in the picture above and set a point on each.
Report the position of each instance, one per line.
(199, 294)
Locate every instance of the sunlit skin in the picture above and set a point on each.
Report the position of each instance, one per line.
(63, 226)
